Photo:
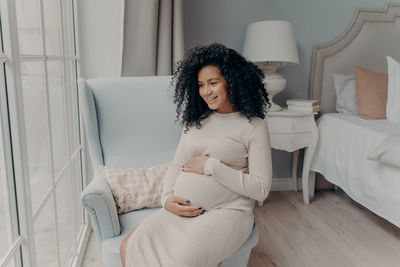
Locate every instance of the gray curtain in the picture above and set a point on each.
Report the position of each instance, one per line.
(153, 37)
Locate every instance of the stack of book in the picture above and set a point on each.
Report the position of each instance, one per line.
(304, 105)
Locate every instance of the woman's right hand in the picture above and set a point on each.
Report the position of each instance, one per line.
(182, 207)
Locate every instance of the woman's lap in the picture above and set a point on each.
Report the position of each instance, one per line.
(204, 240)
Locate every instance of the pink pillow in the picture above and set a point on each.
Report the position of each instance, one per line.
(371, 92)
(134, 189)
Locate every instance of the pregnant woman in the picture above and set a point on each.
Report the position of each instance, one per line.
(221, 167)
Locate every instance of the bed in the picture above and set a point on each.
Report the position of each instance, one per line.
(346, 141)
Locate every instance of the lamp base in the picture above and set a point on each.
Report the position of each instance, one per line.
(274, 107)
(274, 84)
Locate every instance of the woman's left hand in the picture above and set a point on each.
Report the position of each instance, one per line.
(196, 164)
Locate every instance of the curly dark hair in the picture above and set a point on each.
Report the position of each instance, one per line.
(246, 91)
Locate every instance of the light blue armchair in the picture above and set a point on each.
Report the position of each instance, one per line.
(130, 122)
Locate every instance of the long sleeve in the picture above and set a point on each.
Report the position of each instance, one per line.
(174, 169)
(257, 183)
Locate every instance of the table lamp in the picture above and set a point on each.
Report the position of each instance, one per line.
(271, 45)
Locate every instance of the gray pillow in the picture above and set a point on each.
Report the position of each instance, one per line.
(345, 88)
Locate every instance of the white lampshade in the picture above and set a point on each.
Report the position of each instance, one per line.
(271, 41)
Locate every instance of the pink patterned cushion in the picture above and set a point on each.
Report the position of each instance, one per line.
(134, 189)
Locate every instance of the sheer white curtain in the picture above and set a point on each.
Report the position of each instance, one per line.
(152, 37)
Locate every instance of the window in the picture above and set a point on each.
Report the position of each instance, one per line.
(40, 151)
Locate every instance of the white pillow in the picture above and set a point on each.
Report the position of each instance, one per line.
(393, 97)
(388, 152)
(345, 88)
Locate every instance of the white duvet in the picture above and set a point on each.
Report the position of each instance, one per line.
(343, 156)
(388, 152)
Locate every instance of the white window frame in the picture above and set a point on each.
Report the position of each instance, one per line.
(22, 250)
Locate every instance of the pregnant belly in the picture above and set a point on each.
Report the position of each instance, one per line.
(202, 190)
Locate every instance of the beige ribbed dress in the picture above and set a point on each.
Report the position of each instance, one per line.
(238, 172)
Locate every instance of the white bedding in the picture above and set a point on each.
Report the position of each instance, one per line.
(345, 141)
(388, 152)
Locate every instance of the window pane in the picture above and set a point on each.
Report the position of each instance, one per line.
(73, 113)
(45, 241)
(76, 176)
(5, 218)
(52, 26)
(29, 30)
(36, 129)
(57, 115)
(4, 214)
(65, 217)
(68, 28)
(5, 229)
(11, 263)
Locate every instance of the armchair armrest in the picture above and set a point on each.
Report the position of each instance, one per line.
(99, 203)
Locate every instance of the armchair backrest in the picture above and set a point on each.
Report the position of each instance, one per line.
(130, 121)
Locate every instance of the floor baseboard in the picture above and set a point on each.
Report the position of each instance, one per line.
(282, 184)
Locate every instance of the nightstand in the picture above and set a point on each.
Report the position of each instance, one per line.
(291, 131)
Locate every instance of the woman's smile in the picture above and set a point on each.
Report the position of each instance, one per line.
(210, 99)
(214, 89)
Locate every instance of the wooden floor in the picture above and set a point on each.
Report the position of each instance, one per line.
(331, 231)
(92, 255)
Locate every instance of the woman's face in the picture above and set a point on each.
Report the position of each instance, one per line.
(213, 89)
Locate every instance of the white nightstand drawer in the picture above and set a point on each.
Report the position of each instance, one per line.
(290, 141)
(288, 125)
